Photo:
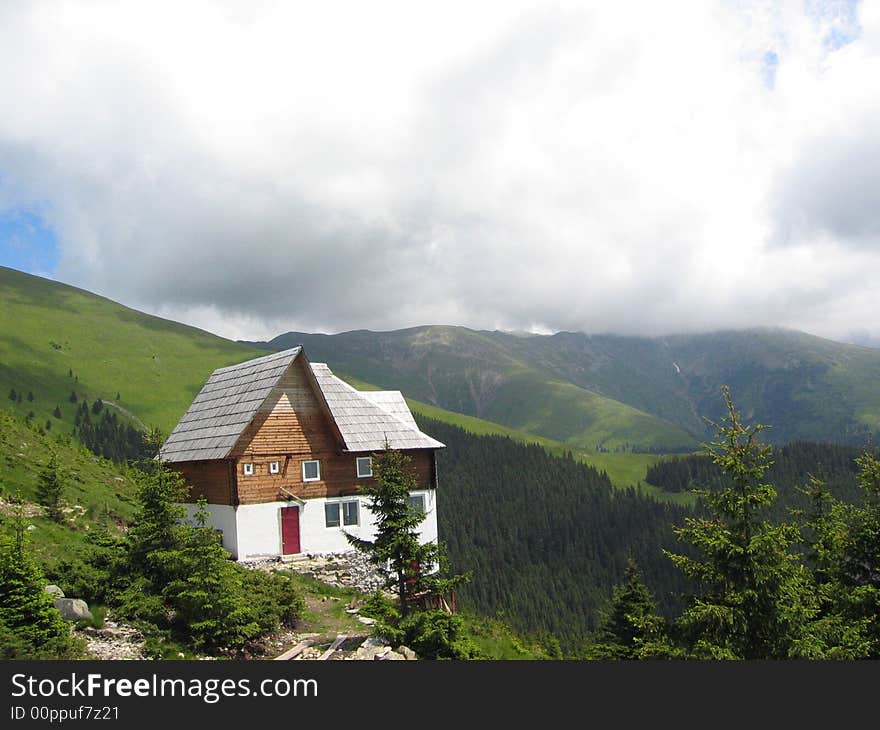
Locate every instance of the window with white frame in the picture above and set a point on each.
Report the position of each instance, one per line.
(274, 467)
(311, 470)
(247, 470)
(345, 513)
(364, 466)
(416, 503)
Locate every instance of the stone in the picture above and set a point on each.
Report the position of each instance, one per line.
(73, 609)
(406, 653)
(54, 591)
(391, 656)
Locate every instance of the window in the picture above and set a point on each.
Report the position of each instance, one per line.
(416, 503)
(248, 470)
(274, 467)
(348, 512)
(365, 466)
(311, 471)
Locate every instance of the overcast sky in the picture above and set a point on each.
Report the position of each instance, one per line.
(257, 167)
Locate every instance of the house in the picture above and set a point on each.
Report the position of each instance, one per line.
(280, 447)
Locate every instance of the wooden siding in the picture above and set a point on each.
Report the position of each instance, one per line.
(291, 421)
(213, 480)
(338, 476)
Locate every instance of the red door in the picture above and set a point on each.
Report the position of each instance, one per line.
(289, 530)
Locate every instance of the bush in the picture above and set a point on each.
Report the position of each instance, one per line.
(274, 597)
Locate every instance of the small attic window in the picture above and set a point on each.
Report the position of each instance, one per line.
(365, 466)
(311, 471)
(274, 467)
(247, 470)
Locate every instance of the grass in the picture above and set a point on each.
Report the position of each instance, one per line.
(97, 493)
(56, 339)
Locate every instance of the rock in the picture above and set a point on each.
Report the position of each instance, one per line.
(73, 609)
(391, 656)
(54, 591)
(366, 620)
(31, 528)
(407, 653)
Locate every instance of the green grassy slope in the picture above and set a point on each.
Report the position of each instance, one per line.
(476, 374)
(49, 329)
(97, 493)
(623, 468)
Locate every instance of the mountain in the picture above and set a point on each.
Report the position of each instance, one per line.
(493, 376)
(57, 340)
(612, 392)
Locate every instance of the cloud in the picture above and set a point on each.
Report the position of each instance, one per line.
(254, 168)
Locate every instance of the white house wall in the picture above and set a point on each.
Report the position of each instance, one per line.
(221, 517)
(253, 531)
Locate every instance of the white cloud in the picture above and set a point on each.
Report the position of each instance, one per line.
(253, 168)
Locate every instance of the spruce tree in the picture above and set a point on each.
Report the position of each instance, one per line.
(50, 488)
(630, 627)
(752, 599)
(57, 412)
(30, 626)
(408, 566)
(206, 593)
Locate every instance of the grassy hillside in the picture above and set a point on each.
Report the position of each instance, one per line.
(624, 469)
(480, 375)
(97, 493)
(56, 340)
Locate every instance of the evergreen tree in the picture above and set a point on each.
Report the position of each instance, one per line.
(30, 396)
(30, 626)
(13, 396)
(207, 594)
(630, 627)
(50, 488)
(57, 412)
(409, 567)
(73, 397)
(752, 592)
(157, 528)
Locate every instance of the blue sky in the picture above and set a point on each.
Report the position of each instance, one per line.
(27, 243)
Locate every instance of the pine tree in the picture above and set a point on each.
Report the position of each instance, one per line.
(73, 397)
(207, 594)
(630, 627)
(13, 396)
(49, 490)
(753, 593)
(30, 626)
(57, 412)
(409, 567)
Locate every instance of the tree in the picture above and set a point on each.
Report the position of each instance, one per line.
(57, 412)
(73, 397)
(50, 488)
(30, 396)
(630, 627)
(13, 396)
(157, 528)
(206, 594)
(410, 568)
(752, 599)
(30, 626)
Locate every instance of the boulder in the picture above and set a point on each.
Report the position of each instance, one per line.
(73, 609)
(407, 653)
(54, 591)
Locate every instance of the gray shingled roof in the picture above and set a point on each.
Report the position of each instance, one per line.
(363, 419)
(224, 407)
(230, 399)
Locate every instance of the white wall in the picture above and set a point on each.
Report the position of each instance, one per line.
(253, 531)
(221, 517)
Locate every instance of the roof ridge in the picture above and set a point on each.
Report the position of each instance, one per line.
(280, 355)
